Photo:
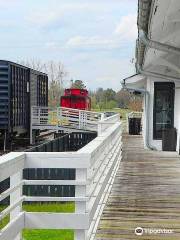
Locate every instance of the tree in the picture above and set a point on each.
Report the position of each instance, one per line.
(111, 104)
(109, 94)
(99, 95)
(78, 84)
(35, 64)
(94, 102)
(123, 98)
(56, 74)
(136, 104)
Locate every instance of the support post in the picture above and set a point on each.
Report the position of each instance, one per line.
(80, 207)
(99, 128)
(102, 116)
(14, 196)
(80, 235)
(80, 119)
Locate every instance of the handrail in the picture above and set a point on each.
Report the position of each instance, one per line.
(95, 165)
(66, 119)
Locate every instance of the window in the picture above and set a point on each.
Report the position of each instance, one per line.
(163, 107)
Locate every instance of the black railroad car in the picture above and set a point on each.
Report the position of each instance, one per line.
(20, 88)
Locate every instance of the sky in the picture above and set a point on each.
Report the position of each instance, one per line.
(94, 39)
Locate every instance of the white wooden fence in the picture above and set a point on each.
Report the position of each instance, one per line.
(64, 117)
(96, 165)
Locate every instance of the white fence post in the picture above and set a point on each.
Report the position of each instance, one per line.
(80, 235)
(94, 166)
(14, 196)
(102, 116)
(57, 119)
(80, 119)
(99, 128)
(80, 207)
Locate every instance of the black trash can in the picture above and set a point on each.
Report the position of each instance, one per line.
(169, 139)
(134, 126)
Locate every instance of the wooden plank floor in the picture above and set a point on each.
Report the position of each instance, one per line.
(145, 193)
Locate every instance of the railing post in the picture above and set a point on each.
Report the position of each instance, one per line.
(99, 128)
(80, 235)
(80, 119)
(80, 207)
(57, 120)
(60, 116)
(15, 196)
(102, 116)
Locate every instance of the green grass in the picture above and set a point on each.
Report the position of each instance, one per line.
(48, 234)
(6, 219)
(4, 222)
(50, 207)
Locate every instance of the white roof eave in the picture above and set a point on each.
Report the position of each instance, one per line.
(136, 81)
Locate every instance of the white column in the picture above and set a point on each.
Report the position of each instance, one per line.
(80, 235)
(80, 207)
(80, 119)
(15, 196)
(99, 128)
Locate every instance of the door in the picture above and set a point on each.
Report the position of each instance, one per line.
(163, 116)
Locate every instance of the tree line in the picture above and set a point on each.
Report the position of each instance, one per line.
(101, 99)
(109, 99)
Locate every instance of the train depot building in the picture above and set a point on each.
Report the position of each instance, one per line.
(158, 78)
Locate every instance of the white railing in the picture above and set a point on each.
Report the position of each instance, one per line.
(69, 120)
(95, 164)
(106, 122)
(65, 117)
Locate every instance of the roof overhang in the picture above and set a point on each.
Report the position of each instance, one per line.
(137, 81)
(158, 51)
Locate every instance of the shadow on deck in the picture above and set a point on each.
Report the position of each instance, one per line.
(145, 193)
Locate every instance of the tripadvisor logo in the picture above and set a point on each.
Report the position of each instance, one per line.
(139, 231)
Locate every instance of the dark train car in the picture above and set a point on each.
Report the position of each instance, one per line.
(38, 88)
(20, 88)
(76, 98)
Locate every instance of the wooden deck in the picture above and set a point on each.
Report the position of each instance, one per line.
(145, 193)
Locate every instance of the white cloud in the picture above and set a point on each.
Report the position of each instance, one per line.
(43, 19)
(126, 31)
(56, 13)
(8, 3)
(127, 28)
(51, 45)
(116, 70)
(6, 24)
(93, 42)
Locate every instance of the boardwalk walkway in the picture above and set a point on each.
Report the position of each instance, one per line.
(145, 193)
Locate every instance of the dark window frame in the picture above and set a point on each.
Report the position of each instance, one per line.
(162, 86)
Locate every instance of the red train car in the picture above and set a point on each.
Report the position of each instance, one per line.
(76, 98)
